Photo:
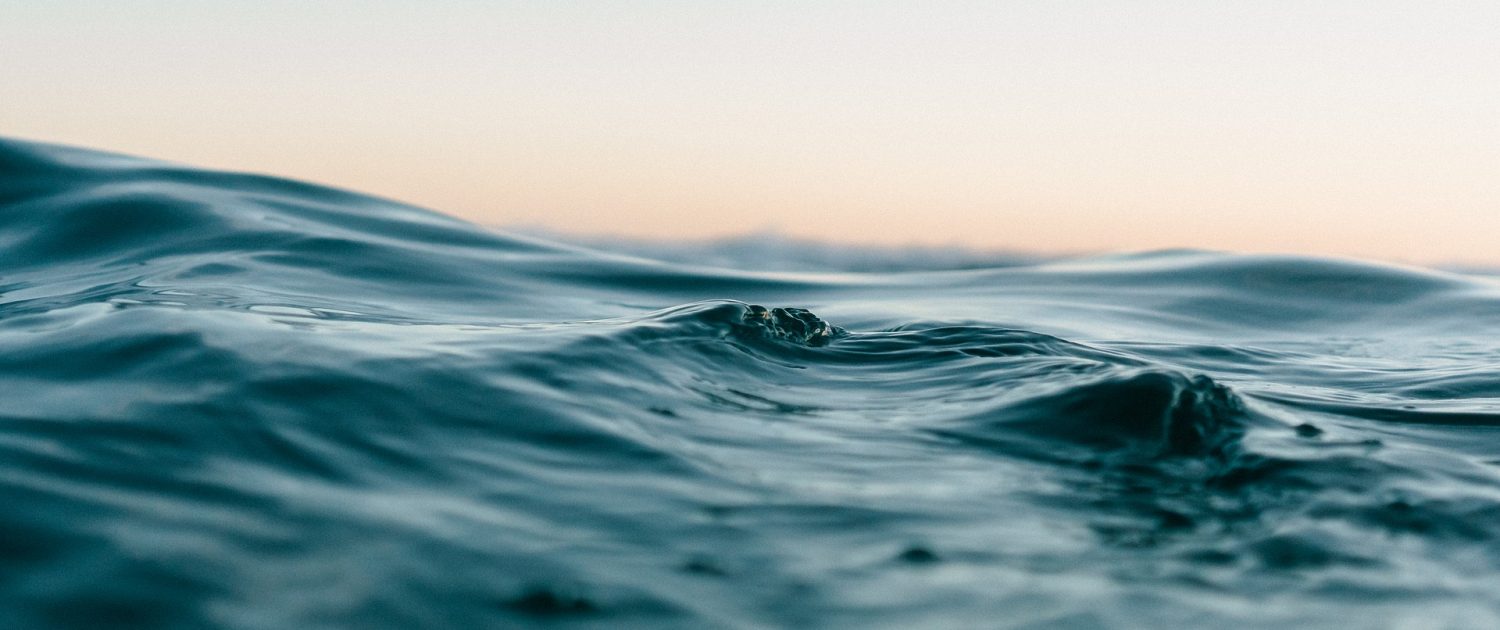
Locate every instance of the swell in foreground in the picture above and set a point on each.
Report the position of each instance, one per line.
(245, 402)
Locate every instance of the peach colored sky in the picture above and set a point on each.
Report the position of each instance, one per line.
(1356, 128)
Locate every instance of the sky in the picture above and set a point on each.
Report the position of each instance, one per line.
(1367, 129)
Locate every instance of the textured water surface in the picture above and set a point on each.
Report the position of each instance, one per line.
(242, 402)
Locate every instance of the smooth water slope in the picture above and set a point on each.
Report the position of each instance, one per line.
(243, 402)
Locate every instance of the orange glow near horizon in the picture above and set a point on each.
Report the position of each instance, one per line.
(1364, 129)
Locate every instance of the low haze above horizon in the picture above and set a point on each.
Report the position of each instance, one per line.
(1366, 129)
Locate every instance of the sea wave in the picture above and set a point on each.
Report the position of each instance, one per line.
(239, 401)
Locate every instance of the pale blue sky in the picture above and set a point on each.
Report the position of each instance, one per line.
(1359, 128)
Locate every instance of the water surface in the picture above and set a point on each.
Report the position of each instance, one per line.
(244, 402)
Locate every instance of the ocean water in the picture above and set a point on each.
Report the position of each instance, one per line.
(242, 402)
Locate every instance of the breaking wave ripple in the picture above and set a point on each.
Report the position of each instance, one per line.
(243, 402)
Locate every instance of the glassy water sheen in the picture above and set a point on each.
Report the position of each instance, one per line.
(243, 402)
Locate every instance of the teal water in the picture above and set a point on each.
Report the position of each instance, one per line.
(242, 402)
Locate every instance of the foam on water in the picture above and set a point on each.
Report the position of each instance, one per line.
(244, 402)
